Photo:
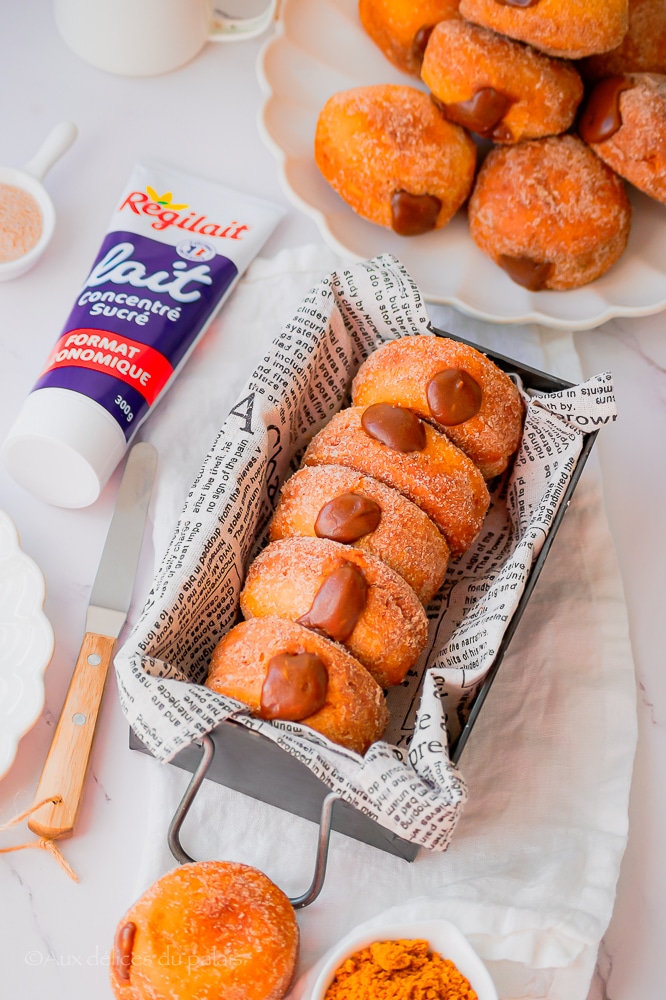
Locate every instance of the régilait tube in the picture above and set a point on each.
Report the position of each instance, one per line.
(174, 249)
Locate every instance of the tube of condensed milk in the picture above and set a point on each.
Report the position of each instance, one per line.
(174, 249)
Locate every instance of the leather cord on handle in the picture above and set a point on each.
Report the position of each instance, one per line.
(41, 842)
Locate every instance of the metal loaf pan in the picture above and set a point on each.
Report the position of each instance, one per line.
(251, 764)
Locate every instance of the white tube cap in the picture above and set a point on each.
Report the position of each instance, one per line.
(63, 447)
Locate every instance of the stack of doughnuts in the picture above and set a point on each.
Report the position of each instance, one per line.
(389, 490)
(572, 95)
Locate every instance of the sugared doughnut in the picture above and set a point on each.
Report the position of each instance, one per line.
(549, 212)
(453, 385)
(393, 445)
(566, 28)
(643, 49)
(624, 121)
(401, 27)
(282, 670)
(343, 593)
(393, 157)
(497, 87)
(203, 931)
(330, 501)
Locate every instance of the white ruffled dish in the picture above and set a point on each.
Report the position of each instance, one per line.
(321, 48)
(26, 642)
(443, 938)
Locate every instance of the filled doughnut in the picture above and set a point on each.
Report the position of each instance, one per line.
(566, 28)
(452, 385)
(497, 87)
(624, 122)
(282, 670)
(643, 48)
(394, 445)
(401, 27)
(393, 157)
(330, 501)
(206, 930)
(343, 593)
(549, 212)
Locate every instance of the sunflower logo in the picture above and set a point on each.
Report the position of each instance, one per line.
(163, 199)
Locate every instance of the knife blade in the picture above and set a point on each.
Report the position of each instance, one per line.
(63, 777)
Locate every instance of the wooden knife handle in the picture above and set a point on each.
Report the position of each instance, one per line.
(67, 761)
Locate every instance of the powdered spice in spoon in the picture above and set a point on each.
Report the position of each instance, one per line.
(20, 222)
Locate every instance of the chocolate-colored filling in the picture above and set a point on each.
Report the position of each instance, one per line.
(347, 518)
(453, 396)
(517, 3)
(294, 687)
(525, 271)
(601, 118)
(394, 426)
(122, 950)
(482, 113)
(501, 133)
(413, 214)
(338, 604)
(420, 42)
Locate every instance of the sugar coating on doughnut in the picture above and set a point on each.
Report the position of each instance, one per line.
(637, 150)
(462, 58)
(210, 929)
(551, 200)
(371, 142)
(399, 372)
(441, 480)
(354, 714)
(392, 629)
(565, 28)
(400, 27)
(405, 539)
(643, 48)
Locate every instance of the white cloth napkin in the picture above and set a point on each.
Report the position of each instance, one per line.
(531, 873)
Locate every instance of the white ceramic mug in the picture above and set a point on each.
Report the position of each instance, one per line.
(146, 37)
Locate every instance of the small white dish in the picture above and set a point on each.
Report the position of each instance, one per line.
(321, 48)
(443, 937)
(29, 179)
(26, 642)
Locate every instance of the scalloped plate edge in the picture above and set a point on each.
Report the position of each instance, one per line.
(33, 694)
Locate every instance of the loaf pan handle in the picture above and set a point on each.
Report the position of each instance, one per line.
(183, 858)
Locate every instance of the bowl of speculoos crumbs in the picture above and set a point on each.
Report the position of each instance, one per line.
(415, 960)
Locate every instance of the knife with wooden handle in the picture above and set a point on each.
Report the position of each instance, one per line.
(66, 765)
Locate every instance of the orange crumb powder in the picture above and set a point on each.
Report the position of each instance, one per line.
(399, 970)
(20, 222)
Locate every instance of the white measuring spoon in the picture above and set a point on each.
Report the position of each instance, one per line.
(29, 179)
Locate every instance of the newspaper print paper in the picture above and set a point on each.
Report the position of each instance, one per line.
(405, 782)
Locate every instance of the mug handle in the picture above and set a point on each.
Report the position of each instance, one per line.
(236, 29)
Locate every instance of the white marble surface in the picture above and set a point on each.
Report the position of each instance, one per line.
(55, 935)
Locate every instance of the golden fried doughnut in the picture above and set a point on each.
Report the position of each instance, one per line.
(453, 385)
(565, 28)
(203, 931)
(273, 666)
(624, 121)
(433, 473)
(343, 593)
(549, 212)
(393, 157)
(643, 49)
(330, 501)
(496, 87)
(401, 27)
